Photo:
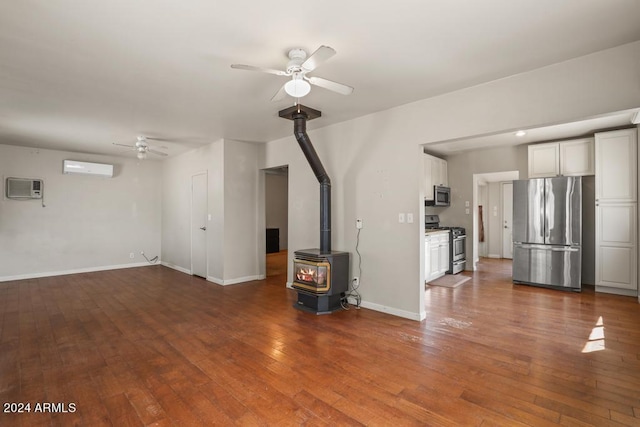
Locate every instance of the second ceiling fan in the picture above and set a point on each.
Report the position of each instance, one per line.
(297, 68)
(142, 147)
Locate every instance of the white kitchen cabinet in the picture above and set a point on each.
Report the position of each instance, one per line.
(616, 212)
(577, 157)
(436, 255)
(616, 166)
(427, 258)
(444, 253)
(544, 160)
(439, 172)
(566, 158)
(434, 250)
(435, 173)
(616, 247)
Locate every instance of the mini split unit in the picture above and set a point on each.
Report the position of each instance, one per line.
(85, 168)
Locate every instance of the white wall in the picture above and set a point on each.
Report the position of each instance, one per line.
(276, 204)
(241, 248)
(89, 223)
(232, 171)
(375, 162)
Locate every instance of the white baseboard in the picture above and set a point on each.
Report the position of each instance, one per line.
(494, 256)
(617, 291)
(74, 271)
(394, 311)
(177, 267)
(215, 280)
(223, 282)
(289, 285)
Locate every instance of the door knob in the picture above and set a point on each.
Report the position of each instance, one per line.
(203, 228)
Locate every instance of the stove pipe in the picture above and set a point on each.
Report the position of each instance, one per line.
(300, 132)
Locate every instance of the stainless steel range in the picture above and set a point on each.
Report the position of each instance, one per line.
(457, 243)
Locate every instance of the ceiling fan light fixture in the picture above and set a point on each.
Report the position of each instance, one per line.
(142, 155)
(297, 88)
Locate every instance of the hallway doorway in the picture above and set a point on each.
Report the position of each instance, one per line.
(276, 194)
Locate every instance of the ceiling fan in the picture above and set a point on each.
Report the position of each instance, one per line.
(297, 68)
(142, 147)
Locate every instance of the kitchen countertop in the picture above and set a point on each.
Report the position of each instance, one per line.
(432, 231)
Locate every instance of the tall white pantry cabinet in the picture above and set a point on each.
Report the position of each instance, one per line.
(616, 178)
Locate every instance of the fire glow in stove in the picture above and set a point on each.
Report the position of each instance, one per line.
(320, 279)
(321, 276)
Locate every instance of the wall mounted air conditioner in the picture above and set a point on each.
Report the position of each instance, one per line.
(86, 168)
(24, 188)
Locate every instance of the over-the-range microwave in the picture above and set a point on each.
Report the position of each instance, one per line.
(441, 196)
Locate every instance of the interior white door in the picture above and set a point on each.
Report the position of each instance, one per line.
(199, 225)
(507, 220)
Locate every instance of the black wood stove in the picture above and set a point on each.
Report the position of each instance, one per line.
(321, 276)
(320, 279)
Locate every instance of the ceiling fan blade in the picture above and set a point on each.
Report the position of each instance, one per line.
(318, 57)
(122, 145)
(333, 86)
(163, 147)
(262, 70)
(159, 153)
(280, 95)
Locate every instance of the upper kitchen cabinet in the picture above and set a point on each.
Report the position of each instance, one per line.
(435, 173)
(616, 166)
(566, 158)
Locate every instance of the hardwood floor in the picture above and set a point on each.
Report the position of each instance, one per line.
(152, 346)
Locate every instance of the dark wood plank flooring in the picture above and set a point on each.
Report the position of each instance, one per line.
(152, 346)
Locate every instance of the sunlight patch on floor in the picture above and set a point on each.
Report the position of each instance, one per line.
(596, 338)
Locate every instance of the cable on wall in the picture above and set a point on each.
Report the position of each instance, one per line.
(150, 261)
(355, 284)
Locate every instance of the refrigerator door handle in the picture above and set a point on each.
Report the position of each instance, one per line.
(565, 249)
(532, 246)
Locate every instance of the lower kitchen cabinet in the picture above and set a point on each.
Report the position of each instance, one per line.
(616, 248)
(436, 252)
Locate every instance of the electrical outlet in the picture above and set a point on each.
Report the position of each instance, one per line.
(131, 255)
(358, 223)
(356, 281)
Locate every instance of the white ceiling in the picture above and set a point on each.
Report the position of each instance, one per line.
(80, 75)
(582, 128)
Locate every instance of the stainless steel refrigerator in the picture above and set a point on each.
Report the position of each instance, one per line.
(547, 231)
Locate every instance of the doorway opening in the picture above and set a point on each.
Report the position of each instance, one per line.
(492, 215)
(276, 203)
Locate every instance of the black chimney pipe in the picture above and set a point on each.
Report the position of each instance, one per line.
(300, 114)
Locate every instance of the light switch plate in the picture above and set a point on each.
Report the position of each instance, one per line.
(410, 218)
(401, 218)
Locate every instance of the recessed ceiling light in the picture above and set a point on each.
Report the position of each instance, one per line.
(520, 133)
